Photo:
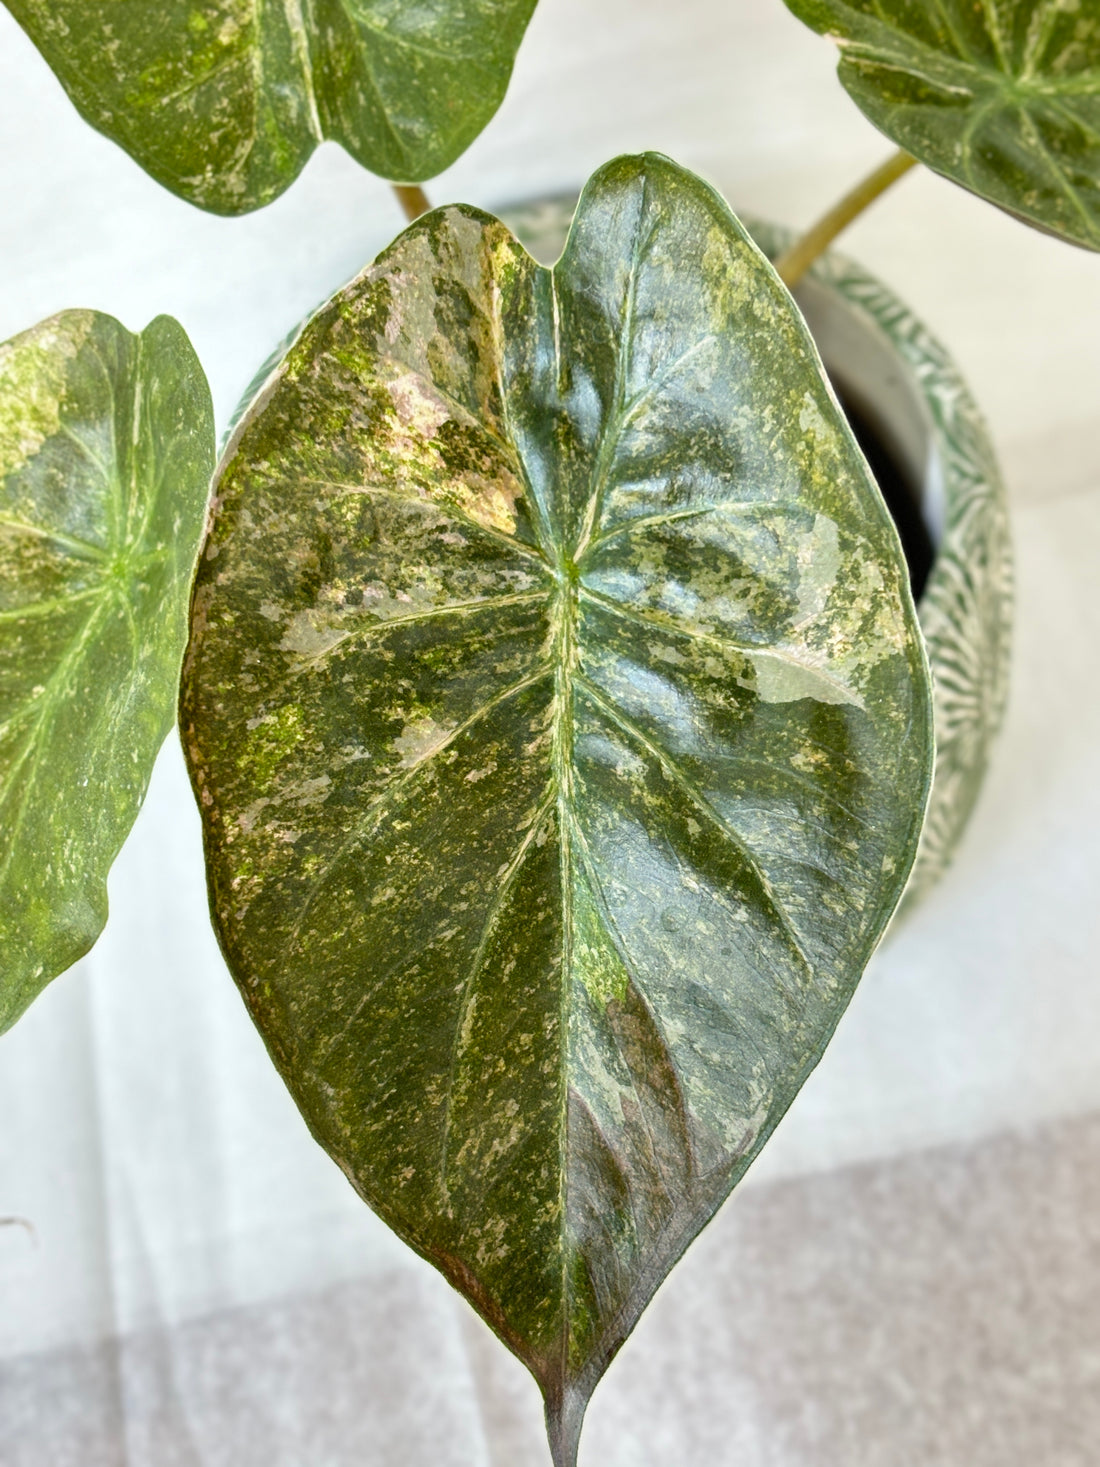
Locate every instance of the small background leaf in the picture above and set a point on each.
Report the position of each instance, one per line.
(106, 448)
(562, 734)
(1002, 97)
(224, 101)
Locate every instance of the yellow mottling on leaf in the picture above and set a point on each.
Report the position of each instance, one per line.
(492, 502)
(811, 421)
(33, 373)
(418, 408)
(310, 637)
(818, 555)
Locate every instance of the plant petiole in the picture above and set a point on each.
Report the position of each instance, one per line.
(412, 199)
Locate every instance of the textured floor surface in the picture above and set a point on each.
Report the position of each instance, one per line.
(941, 1310)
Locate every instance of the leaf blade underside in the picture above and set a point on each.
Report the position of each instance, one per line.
(1002, 97)
(224, 101)
(552, 672)
(106, 449)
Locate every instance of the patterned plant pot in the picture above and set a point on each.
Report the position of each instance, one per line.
(913, 412)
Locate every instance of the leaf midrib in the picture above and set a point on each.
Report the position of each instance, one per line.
(568, 572)
(568, 605)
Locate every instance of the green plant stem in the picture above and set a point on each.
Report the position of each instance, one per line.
(412, 199)
(794, 263)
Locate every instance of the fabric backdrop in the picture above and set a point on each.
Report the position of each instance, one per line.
(910, 1277)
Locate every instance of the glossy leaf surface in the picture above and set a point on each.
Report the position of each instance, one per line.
(106, 449)
(562, 734)
(1001, 96)
(224, 101)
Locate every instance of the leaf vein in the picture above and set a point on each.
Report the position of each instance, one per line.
(376, 809)
(700, 800)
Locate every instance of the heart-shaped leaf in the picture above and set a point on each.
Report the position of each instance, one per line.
(1000, 96)
(561, 729)
(106, 448)
(224, 101)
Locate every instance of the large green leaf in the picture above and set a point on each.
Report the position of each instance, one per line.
(224, 101)
(1003, 96)
(561, 730)
(106, 448)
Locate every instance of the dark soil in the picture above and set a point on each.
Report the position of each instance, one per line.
(901, 494)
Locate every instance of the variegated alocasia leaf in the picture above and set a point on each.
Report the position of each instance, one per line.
(561, 730)
(1001, 96)
(224, 101)
(106, 448)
